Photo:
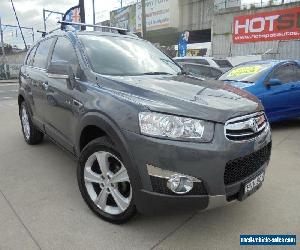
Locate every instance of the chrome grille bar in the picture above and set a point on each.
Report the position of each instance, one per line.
(246, 127)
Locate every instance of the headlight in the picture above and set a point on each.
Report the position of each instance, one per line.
(175, 127)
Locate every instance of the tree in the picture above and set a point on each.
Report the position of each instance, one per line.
(7, 49)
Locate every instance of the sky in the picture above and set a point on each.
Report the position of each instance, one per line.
(30, 13)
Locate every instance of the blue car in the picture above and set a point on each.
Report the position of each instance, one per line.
(275, 82)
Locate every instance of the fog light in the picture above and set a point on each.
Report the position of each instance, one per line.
(180, 184)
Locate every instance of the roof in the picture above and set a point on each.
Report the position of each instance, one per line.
(193, 57)
(271, 61)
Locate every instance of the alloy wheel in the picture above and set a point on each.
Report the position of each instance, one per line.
(107, 182)
(25, 122)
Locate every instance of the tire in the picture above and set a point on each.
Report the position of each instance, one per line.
(31, 134)
(105, 187)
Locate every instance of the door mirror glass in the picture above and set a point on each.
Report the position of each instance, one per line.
(274, 82)
(60, 70)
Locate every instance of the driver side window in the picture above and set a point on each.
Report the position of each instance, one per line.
(286, 73)
(64, 51)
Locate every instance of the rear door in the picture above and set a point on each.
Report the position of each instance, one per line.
(26, 80)
(283, 101)
(39, 79)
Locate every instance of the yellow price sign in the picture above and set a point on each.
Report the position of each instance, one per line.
(246, 70)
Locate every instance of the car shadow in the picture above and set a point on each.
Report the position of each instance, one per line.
(288, 124)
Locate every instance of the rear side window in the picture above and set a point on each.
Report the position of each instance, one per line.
(30, 57)
(216, 73)
(64, 51)
(205, 71)
(223, 63)
(41, 55)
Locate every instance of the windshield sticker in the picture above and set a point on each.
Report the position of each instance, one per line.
(247, 70)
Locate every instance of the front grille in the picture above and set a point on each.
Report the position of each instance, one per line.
(246, 127)
(159, 185)
(240, 168)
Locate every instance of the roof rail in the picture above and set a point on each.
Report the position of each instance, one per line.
(119, 30)
(44, 33)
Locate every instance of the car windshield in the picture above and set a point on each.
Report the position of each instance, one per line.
(246, 73)
(124, 56)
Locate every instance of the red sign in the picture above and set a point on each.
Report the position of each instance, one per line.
(267, 26)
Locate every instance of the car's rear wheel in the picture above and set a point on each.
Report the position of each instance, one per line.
(104, 181)
(31, 134)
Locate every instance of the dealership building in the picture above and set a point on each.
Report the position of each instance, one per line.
(270, 29)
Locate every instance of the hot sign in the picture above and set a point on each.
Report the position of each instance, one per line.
(267, 26)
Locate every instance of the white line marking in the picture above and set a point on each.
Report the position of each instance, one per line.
(4, 91)
(6, 97)
(9, 84)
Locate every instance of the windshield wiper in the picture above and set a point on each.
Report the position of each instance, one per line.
(182, 72)
(156, 73)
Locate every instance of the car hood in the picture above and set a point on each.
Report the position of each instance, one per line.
(185, 95)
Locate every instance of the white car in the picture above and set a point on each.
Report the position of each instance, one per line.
(223, 64)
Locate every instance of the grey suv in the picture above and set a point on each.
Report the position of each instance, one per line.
(147, 136)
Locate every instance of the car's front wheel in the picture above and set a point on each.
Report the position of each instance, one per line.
(31, 134)
(104, 181)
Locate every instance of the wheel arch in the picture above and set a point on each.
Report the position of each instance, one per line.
(20, 99)
(109, 128)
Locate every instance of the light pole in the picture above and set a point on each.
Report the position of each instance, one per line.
(94, 17)
(82, 13)
(18, 23)
(144, 26)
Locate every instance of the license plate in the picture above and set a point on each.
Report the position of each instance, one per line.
(249, 186)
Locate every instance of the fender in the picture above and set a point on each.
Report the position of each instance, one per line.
(115, 134)
(22, 94)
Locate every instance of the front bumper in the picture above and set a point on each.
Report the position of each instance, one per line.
(205, 161)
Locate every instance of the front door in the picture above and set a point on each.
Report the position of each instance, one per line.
(283, 101)
(62, 106)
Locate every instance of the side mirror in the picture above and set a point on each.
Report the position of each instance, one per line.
(274, 82)
(60, 70)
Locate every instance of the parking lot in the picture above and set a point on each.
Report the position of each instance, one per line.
(41, 207)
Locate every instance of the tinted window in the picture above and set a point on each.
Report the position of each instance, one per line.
(30, 57)
(297, 74)
(198, 70)
(64, 51)
(216, 73)
(41, 55)
(190, 60)
(192, 70)
(286, 73)
(205, 71)
(109, 55)
(223, 63)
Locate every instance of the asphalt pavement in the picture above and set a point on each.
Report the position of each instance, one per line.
(41, 207)
(8, 90)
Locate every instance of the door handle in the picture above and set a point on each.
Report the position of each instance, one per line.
(77, 104)
(45, 85)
